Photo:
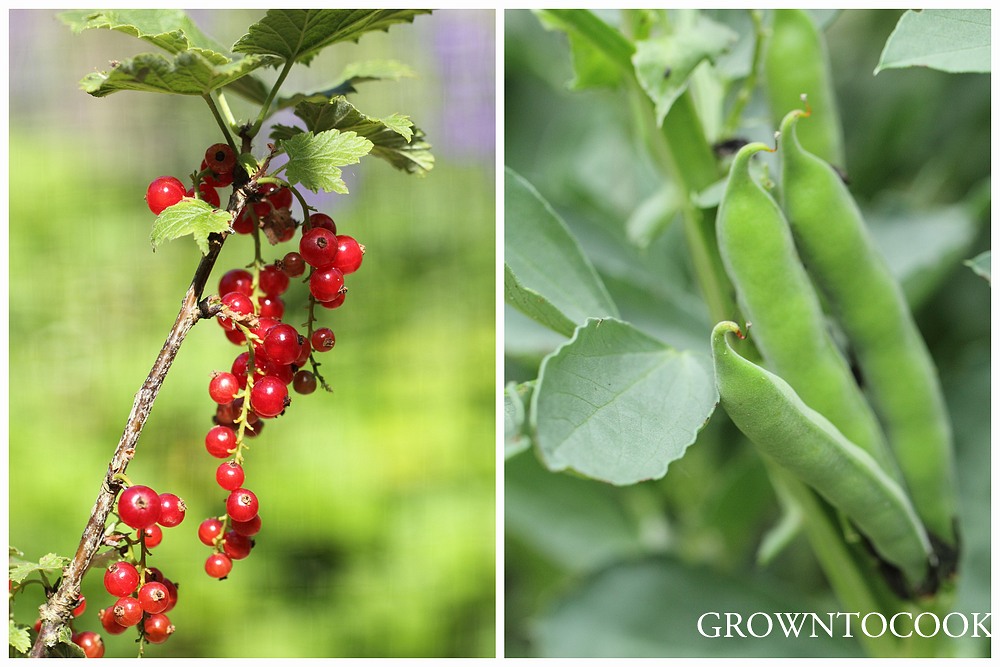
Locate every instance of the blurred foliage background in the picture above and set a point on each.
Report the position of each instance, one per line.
(378, 502)
(580, 554)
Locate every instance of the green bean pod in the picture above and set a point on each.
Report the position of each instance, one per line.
(896, 368)
(795, 64)
(796, 437)
(775, 294)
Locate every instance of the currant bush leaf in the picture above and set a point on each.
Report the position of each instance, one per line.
(353, 74)
(170, 29)
(190, 216)
(617, 405)
(393, 138)
(299, 34)
(19, 570)
(188, 73)
(547, 276)
(18, 637)
(314, 160)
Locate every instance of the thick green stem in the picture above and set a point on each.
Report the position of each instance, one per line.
(750, 83)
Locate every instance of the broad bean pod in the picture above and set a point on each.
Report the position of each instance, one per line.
(795, 64)
(896, 369)
(796, 437)
(775, 294)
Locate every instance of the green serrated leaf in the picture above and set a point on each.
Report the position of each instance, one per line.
(188, 73)
(547, 276)
(353, 74)
(299, 34)
(663, 65)
(951, 40)
(314, 160)
(617, 405)
(18, 637)
(170, 29)
(20, 570)
(394, 138)
(190, 216)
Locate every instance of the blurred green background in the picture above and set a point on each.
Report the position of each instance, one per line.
(378, 501)
(918, 158)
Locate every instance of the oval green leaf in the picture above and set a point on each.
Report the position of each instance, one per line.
(617, 405)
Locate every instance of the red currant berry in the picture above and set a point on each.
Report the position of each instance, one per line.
(81, 606)
(253, 430)
(323, 339)
(318, 247)
(349, 254)
(236, 280)
(223, 387)
(171, 594)
(322, 221)
(152, 535)
(127, 611)
(154, 597)
(241, 505)
(218, 566)
(271, 306)
(121, 579)
(236, 546)
(220, 158)
(273, 281)
(247, 528)
(220, 441)
(293, 265)
(139, 506)
(326, 284)
(163, 192)
(336, 303)
(208, 530)
(172, 510)
(269, 396)
(244, 223)
(90, 642)
(264, 325)
(283, 344)
(108, 622)
(240, 304)
(214, 179)
(304, 352)
(304, 382)
(229, 475)
(157, 628)
(207, 194)
(280, 197)
(236, 337)
(284, 373)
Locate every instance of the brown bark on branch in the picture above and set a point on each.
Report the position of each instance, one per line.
(56, 612)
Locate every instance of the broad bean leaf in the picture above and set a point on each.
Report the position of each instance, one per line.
(190, 72)
(190, 216)
(314, 160)
(663, 65)
(578, 524)
(299, 34)
(951, 40)
(980, 264)
(589, 27)
(546, 275)
(393, 138)
(20, 569)
(651, 608)
(617, 405)
(170, 29)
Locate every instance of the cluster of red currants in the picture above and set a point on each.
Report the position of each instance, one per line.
(143, 594)
(256, 387)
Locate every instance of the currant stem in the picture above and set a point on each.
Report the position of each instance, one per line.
(57, 611)
(270, 98)
(222, 123)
